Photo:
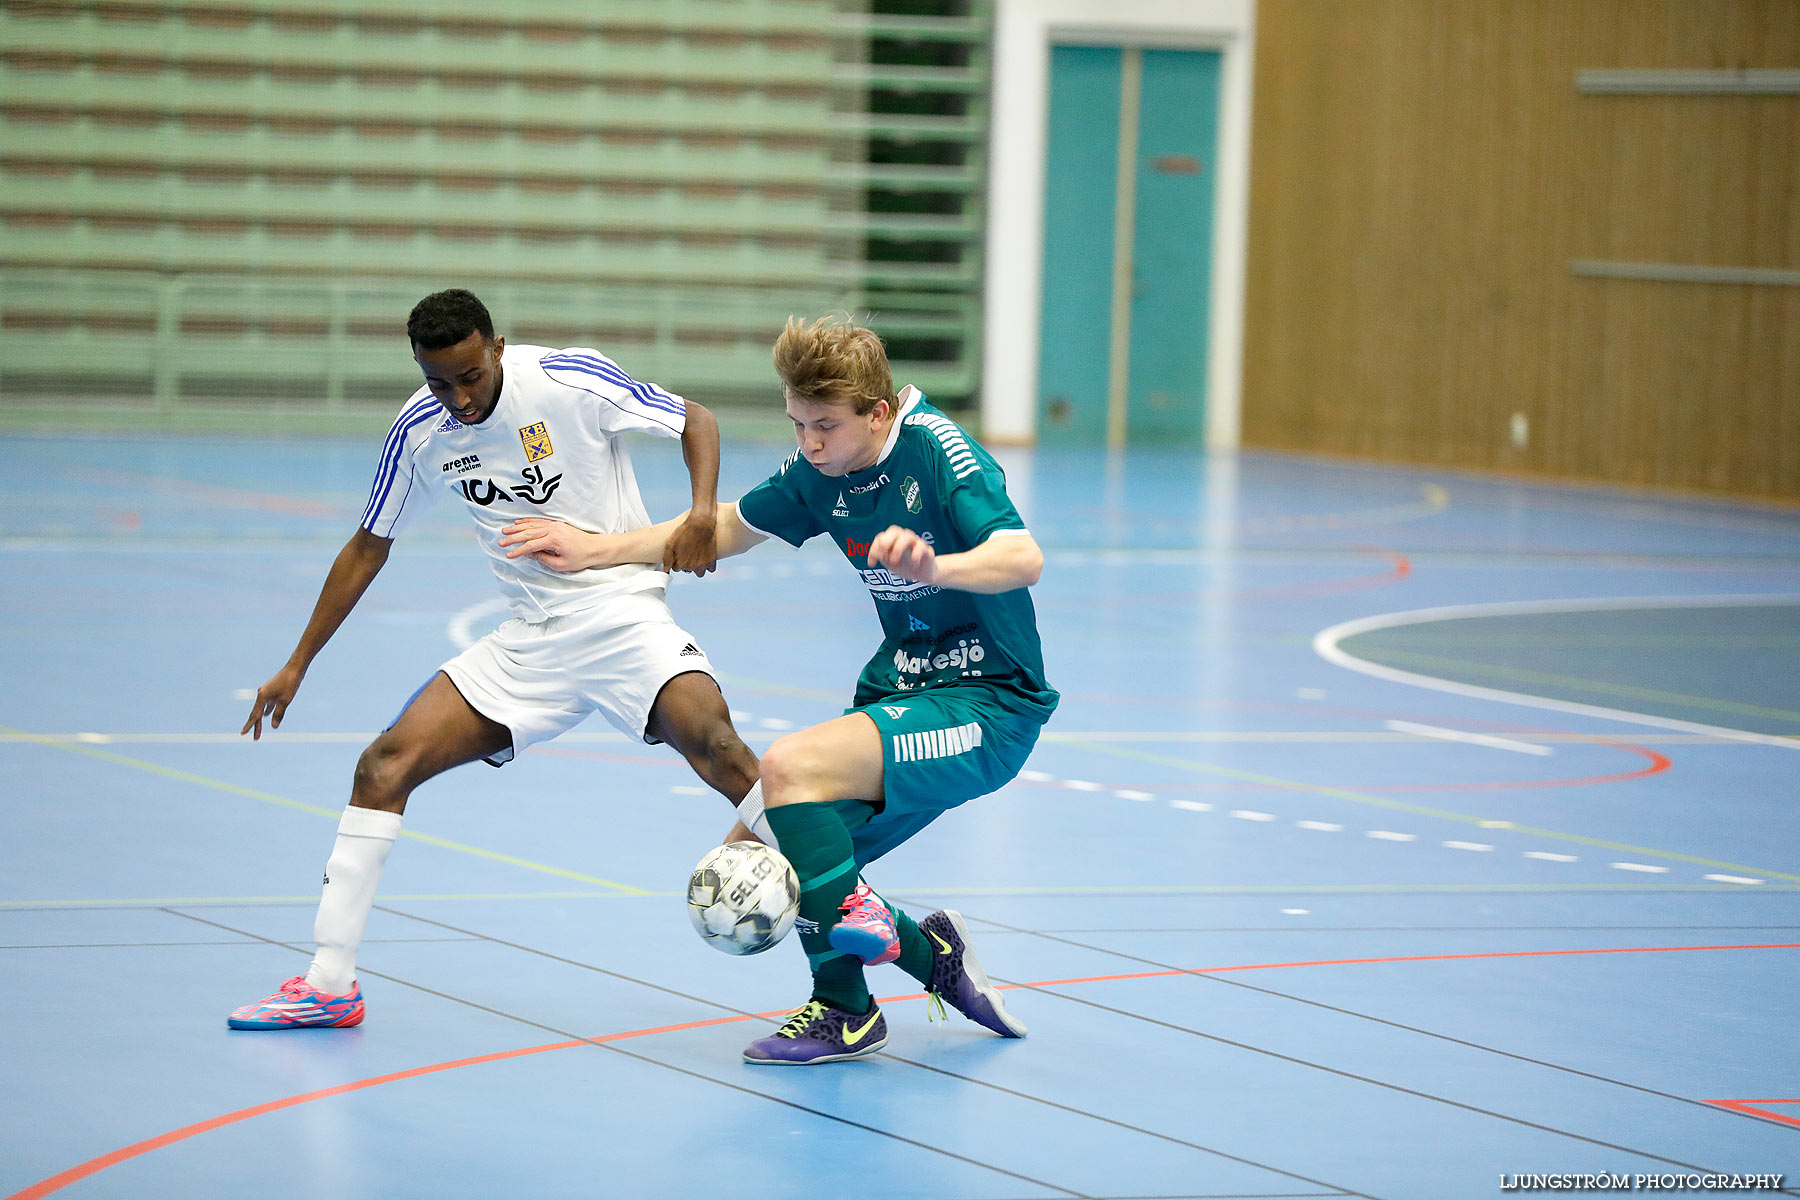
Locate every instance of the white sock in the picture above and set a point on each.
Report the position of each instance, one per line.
(750, 812)
(365, 835)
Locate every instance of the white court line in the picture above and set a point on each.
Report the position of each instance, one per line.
(1246, 814)
(1483, 846)
(1645, 868)
(1326, 645)
(1321, 826)
(1459, 735)
(1388, 835)
(461, 629)
(742, 719)
(1731, 879)
(1191, 805)
(1551, 856)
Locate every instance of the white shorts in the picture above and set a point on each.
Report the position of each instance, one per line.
(542, 678)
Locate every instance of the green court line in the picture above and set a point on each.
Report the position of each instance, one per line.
(1294, 785)
(233, 789)
(1392, 657)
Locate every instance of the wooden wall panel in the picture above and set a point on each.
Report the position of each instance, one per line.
(1424, 171)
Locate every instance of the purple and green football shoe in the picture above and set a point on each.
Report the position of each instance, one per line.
(820, 1032)
(957, 977)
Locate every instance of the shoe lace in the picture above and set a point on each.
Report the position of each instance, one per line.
(801, 1017)
(934, 1006)
(863, 894)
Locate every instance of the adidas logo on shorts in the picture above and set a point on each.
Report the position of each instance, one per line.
(688, 649)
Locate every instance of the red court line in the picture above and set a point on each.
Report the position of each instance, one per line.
(1399, 569)
(1404, 958)
(1749, 1107)
(207, 493)
(95, 1165)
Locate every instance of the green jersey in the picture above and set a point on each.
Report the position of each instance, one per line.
(933, 479)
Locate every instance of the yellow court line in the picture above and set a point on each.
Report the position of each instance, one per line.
(316, 809)
(781, 689)
(229, 901)
(1294, 785)
(1094, 891)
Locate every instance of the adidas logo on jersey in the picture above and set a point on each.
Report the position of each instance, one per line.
(689, 649)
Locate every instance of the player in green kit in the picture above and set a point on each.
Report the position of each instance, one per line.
(946, 710)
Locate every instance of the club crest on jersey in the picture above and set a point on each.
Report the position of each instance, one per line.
(909, 488)
(842, 510)
(536, 439)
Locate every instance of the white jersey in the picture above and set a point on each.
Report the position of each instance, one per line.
(550, 448)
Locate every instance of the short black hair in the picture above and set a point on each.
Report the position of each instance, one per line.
(446, 318)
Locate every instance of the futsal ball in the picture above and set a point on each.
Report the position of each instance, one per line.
(743, 897)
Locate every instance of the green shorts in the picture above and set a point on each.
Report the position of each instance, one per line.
(938, 748)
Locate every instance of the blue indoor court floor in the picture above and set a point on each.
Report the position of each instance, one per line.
(1401, 833)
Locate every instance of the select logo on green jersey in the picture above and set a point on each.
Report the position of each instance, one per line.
(842, 510)
(910, 491)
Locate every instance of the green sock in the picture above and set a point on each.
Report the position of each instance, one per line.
(817, 842)
(915, 951)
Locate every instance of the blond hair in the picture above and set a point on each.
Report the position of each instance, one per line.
(834, 361)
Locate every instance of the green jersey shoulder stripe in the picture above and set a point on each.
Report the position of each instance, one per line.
(949, 435)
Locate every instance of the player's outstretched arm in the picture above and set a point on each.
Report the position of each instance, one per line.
(356, 566)
(1003, 563)
(563, 547)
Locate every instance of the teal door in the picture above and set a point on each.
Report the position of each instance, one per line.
(1128, 206)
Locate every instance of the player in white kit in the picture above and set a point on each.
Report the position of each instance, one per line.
(510, 431)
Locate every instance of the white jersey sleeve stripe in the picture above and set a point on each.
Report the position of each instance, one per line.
(391, 453)
(655, 416)
(649, 395)
(612, 373)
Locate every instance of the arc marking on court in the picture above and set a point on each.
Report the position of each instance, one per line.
(233, 789)
(1316, 789)
(1327, 644)
(94, 1166)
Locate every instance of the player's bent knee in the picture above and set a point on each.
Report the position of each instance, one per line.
(791, 775)
(383, 777)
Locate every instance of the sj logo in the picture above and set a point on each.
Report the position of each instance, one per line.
(536, 439)
(485, 492)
